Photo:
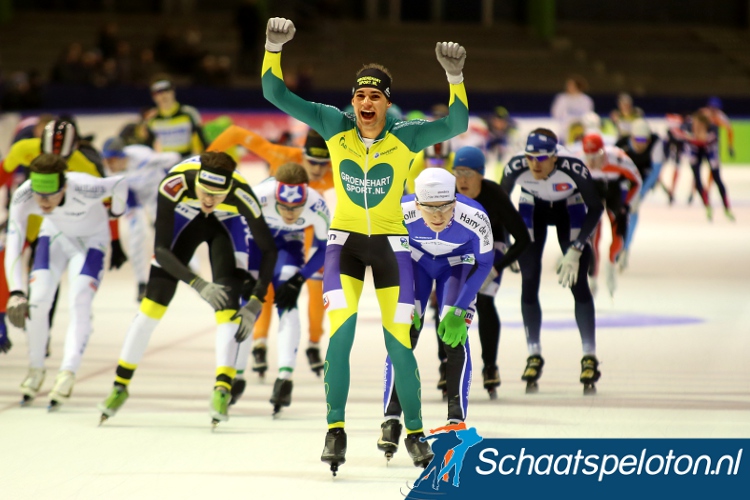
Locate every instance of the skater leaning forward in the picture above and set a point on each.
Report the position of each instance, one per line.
(556, 189)
(202, 199)
(289, 207)
(74, 236)
(370, 157)
(451, 247)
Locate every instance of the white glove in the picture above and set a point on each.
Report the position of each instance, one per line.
(489, 279)
(567, 269)
(212, 293)
(451, 57)
(18, 309)
(247, 315)
(278, 32)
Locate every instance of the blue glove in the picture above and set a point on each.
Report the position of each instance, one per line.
(5, 343)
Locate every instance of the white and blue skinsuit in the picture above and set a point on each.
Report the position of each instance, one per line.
(457, 259)
(290, 242)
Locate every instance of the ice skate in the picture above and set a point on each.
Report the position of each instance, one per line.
(112, 404)
(313, 357)
(593, 285)
(259, 360)
(219, 406)
(491, 378)
(532, 373)
(622, 260)
(729, 215)
(282, 395)
(334, 451)
(31, 385)
(238, 388)
(710, 214)
(442, 385)
(62, 390)
(419, 451)
(390, 434)
(611, 279)
(589, 374)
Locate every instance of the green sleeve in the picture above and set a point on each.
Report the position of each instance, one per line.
(326, 120)
(422, 134)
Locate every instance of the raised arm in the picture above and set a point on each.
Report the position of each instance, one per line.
(327, 120)
(420, 134)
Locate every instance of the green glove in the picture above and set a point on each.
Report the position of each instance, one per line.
(452, 328)
(417, 321)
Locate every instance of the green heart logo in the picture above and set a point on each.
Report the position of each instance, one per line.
(376, 187)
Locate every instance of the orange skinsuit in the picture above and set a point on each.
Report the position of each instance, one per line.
(276, 155)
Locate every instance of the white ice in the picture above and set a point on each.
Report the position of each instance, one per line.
(690, 380)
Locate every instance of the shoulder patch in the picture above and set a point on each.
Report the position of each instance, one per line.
(174, 187)
(249, 201)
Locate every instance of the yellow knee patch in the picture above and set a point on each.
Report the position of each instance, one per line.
(225, 316)
(152, 309)
(388, 300)
(352, 289)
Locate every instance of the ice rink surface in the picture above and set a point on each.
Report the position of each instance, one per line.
(674, 346)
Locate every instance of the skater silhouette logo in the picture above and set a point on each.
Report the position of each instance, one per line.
(450, 445)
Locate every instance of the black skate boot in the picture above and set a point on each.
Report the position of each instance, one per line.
(390, 434)
(282, 395)
(419, 451)
(589, 374)
(259, 360)
(313, 357)
(491, 377)
(334, 451)
(238, 388)
(532, 373)
(442, 385)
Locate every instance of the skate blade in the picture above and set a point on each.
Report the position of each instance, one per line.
(589, 390)
(276, 412)
(532, 388)
(102, 418)
(493, 394)
(53, 406)
(214, 423)
(334, 469)
(26, 400)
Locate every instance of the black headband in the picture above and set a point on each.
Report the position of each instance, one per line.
(373, 78)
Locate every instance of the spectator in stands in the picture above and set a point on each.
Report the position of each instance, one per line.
(144, 67)
(569, 107)
(124, 62)
(166, 47)
(108, 39)
(21, 93)
(251, 27)
(69, 67)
